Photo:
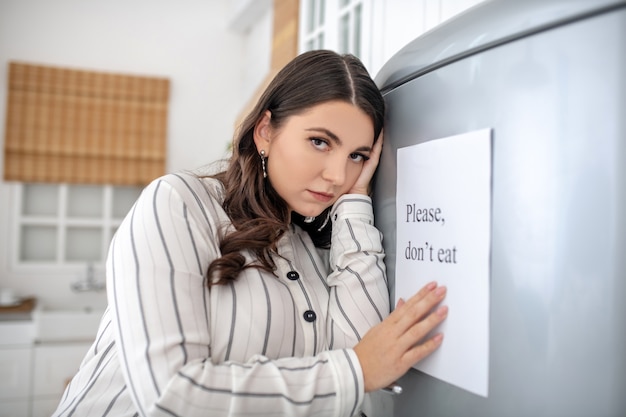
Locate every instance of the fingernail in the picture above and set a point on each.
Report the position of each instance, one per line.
(440, 290)
(431, 285)
(442, 311)
(438, 337)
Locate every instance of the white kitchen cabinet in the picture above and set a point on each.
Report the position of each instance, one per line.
(54, 365)
(34, 374)
(15, 378)
(15, 371)
(44, 407)
(14, 408)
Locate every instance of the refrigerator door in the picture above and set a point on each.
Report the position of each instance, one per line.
(549, 78)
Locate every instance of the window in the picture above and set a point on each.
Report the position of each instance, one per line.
(314, 25)
(64, 224)
(66, 128)
(339, 25)
(350, 16)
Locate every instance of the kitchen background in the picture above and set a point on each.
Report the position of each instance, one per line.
(216, 55)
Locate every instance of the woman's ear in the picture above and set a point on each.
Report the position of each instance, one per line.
(262, 132)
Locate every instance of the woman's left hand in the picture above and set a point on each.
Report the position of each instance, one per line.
(362, 184)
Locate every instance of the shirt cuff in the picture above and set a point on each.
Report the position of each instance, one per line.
(353, 206)
(349, 380)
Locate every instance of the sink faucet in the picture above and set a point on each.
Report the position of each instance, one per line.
(89, 283)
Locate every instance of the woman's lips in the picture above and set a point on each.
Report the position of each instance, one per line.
(323, 197)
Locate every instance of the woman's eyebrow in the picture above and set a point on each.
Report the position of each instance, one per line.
(336, 139)
(327, 132)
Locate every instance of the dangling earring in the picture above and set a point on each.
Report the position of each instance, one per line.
(263, 163)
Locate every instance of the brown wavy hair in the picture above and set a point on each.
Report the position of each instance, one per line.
(259, 215)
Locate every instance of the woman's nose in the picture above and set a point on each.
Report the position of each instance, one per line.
(335, 172)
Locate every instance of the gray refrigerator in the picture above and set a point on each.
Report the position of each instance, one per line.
(548, 78)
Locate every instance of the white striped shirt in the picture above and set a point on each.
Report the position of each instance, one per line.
(262, 345)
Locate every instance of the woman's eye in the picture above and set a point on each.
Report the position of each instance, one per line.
(357, 157)
(319, 143)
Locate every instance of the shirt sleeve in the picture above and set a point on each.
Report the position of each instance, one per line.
(156, 285)
(359, 296)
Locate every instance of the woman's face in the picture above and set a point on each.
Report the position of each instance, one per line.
(317, 155)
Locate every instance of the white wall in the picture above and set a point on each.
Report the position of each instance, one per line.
(191, 42)
(253, 19)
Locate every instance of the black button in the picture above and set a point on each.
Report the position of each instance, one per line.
(293, 275)
(310, 315)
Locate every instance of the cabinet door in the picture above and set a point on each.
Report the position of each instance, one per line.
(44, 406)
(15, 371)
(13, 408)
(55, 365)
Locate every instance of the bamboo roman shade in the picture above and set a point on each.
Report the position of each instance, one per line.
(67, 125)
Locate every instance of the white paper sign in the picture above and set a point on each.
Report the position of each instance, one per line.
(443, 204)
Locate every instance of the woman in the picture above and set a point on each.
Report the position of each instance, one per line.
(253, 292)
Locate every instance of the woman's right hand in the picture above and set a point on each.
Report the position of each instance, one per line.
(390, 348)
